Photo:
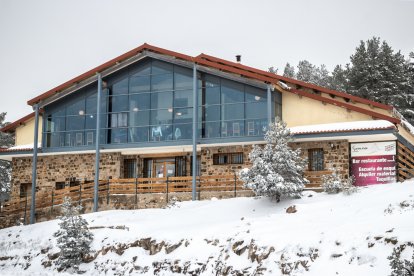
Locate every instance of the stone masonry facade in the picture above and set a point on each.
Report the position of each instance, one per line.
(66, 167)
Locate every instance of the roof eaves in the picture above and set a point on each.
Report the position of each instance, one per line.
(12, 126)
(294, 81)
(345, 130)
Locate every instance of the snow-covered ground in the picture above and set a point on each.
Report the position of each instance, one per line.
(327, 235)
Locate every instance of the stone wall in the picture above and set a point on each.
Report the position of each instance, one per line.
(207, 167)
(336, 156)
(63, 168)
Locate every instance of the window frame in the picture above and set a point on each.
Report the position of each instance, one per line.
(316, 159)
(228, 158)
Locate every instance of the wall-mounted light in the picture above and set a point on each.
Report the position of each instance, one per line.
(178, 114)
(170, 109)
(257, 98)
(81, 112)
(135, 109)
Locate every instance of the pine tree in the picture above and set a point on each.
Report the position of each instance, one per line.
(273, 70)
(73, 237)
(378, 73)
(277, 170)
(339, 79)
(399, 266)
(307, 72)
(289, 71)
(6, 140)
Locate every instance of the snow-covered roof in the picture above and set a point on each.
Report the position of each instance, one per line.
(343, 127)
(26, 147)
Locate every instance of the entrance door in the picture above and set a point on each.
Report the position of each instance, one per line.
(163, 168)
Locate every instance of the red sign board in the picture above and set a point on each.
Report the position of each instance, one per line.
(373, 163)
(370, 170)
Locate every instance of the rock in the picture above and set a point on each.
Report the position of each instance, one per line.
(291, 209)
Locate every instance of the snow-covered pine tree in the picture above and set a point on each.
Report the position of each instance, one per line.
(400, 266)
(339, 80)
(6, 140)
(378, 73)
(277, 170)
(273, 70)
(307, 72)
(289, 71)
(73, 237)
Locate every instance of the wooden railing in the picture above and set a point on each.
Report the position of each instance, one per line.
(115, 187)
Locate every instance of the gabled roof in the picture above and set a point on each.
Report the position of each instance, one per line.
(12, 126)
(239, 69)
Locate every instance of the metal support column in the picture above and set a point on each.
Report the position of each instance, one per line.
(269, 105)
(34, 165)
(195, 127)
(97, 153)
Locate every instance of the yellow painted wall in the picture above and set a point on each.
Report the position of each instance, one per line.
(300, 111)
(24, 133)
(404, 133)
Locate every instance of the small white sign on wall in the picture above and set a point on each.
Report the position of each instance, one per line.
(373, 149)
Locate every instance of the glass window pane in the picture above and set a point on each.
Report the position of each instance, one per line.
(139, 102)
(75, 122)
(90, 121)
(161, 133)
(119, 119)
(54, 124)
(183, 78)
(119, 103)
(256, 110)
(91, 104)
(118, 135)
(139, 118)
(212, 95)
(143, 69)
(138, 84)
(231, 92)
(161, 100)
(232, 128)
(162, 82)
(182, 131)
(212, 113)
(254, 94)
(161, 117)
(76, 107)
(138, 134)
(211, 129)
(160, 67)
(183, 98)
(183, 115)
(120, 87)
(232, 111)
(210, 81)
(90, 137)
(255, 127)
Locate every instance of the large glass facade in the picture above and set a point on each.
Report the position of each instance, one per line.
(153, 101)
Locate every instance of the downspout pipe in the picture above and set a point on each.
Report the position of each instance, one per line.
(195, 128)
(34, 165)
(97, 152)
(269, 105)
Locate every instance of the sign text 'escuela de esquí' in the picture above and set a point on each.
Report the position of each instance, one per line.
(373, 163)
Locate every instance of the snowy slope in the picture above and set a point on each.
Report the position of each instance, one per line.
(329, 235)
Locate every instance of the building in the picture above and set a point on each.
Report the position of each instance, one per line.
(146, 124)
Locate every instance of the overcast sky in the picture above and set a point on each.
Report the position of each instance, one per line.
(47, 42)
